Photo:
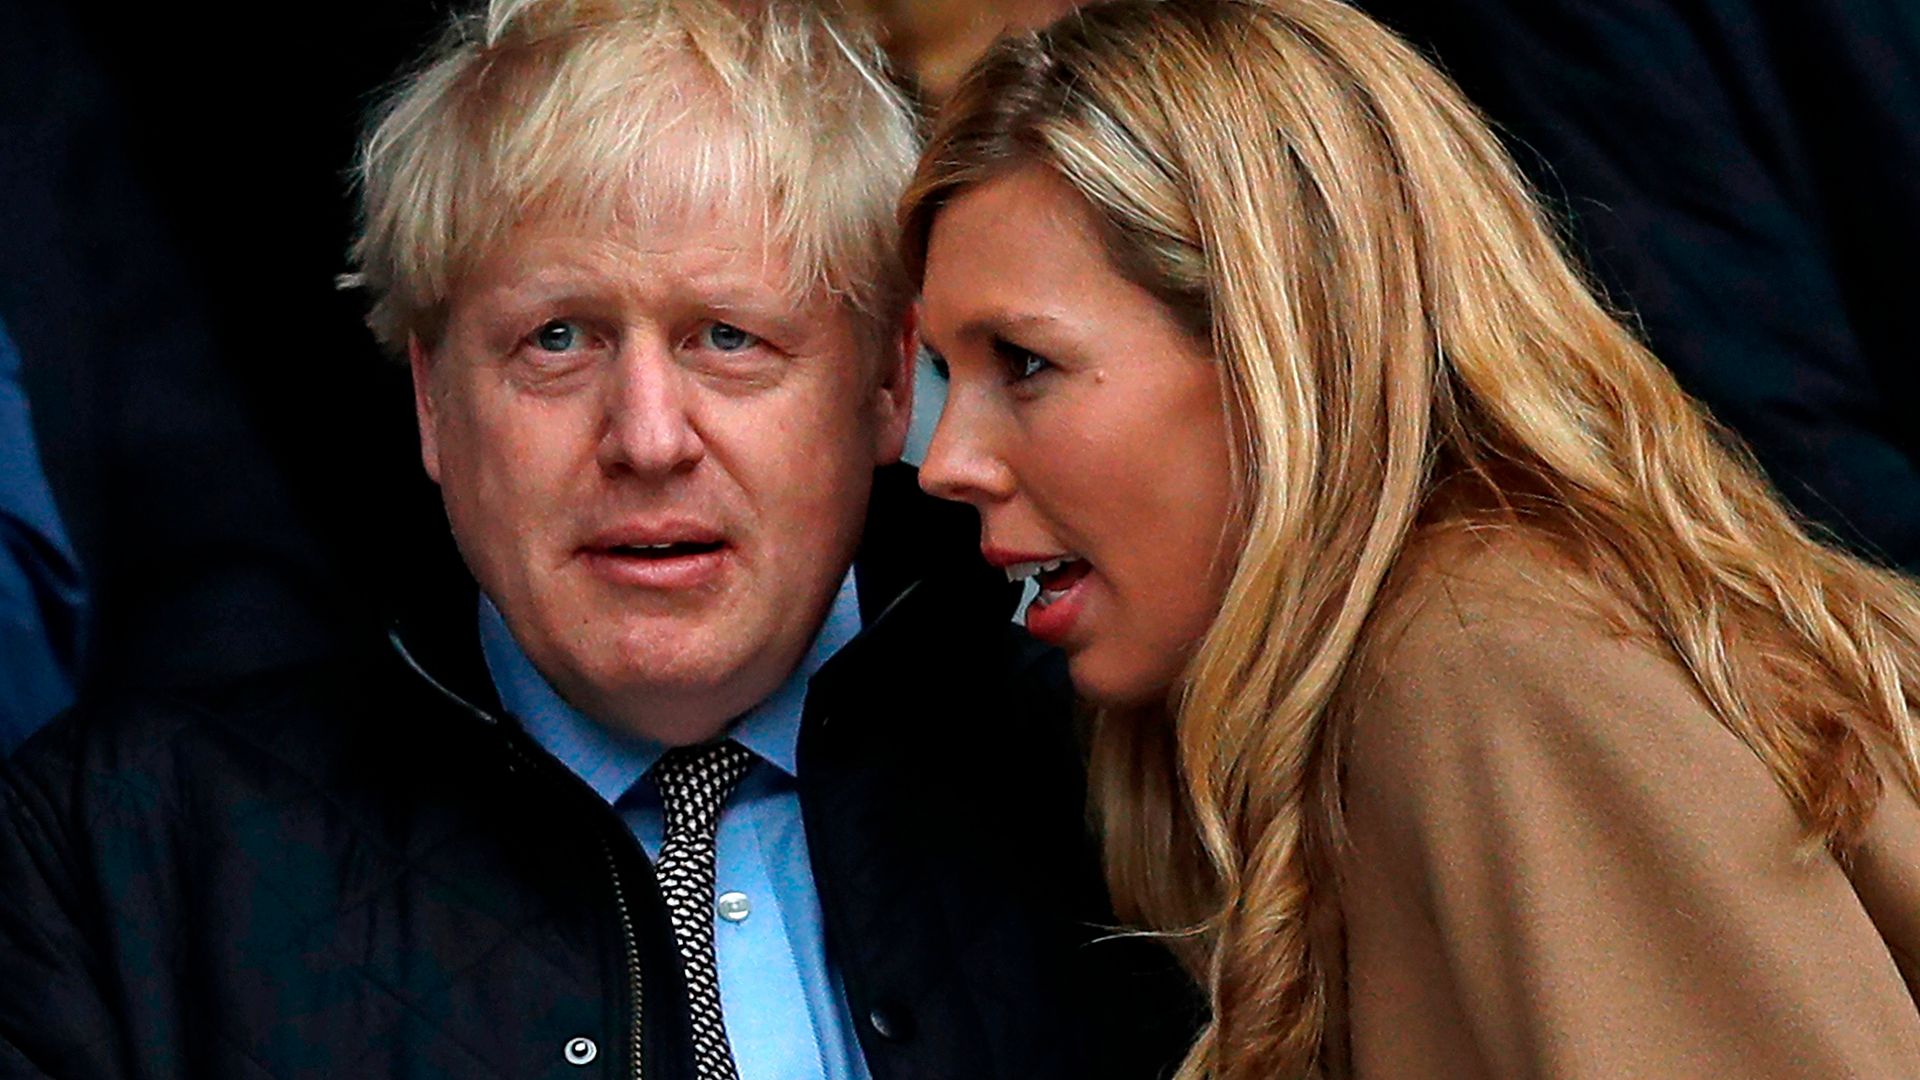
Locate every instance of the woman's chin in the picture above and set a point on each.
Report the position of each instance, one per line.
(1107, 683)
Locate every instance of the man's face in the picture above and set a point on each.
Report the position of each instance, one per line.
(656, 461)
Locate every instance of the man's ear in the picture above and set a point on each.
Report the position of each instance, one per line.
(893, 397)
(420, 362)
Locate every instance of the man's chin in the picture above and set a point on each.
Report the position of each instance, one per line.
(677, 700)
(681, 718)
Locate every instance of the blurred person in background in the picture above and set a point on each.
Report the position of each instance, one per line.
(933, 41)
(1469, 704)
(41, 597)
(1740, 177)
(168, 285)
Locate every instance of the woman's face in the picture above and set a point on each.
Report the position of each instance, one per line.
(1087, 427)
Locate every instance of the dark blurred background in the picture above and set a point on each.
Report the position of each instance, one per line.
(234, 465)
(231, 458)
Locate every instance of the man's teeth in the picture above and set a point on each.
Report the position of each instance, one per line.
(1024, 570)
(658, 549)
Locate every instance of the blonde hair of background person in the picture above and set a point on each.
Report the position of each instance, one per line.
(542, 109)
(1402, 347)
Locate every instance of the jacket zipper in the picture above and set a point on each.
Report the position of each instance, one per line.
(633, 957)
(630, 942)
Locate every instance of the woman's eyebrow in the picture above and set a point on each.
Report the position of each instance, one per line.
(994, 323)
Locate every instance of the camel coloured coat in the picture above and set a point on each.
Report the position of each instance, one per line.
(1559, 863)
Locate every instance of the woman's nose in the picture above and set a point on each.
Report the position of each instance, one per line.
(961, 464)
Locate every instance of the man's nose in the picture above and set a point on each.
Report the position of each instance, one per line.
(960, 463)
(650, 425)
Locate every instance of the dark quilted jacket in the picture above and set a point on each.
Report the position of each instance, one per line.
(364, 870)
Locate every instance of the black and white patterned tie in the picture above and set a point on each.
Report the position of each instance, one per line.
(694, 782)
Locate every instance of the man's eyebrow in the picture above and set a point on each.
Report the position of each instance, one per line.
(778, 314)
(548, 285)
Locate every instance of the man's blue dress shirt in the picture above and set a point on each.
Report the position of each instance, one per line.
(41, 599)
(786, 1014)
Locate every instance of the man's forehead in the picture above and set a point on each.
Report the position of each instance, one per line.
(718, 249)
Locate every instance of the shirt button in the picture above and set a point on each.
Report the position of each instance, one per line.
(734, 906)
(890, 1023)
(581, 1051)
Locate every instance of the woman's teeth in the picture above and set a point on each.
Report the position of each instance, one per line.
(1024, 570)
(1054, 577)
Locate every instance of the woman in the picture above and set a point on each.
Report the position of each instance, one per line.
(1469, 706)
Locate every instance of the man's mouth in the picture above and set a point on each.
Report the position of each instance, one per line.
(1054, 576)
(670, 556)
(671, 550)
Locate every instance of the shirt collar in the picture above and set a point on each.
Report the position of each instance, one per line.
(611, 762)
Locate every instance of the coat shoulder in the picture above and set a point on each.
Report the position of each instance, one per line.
(1487, 638)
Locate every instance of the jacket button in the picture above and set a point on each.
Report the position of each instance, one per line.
(891, 1023)
(581, 1051)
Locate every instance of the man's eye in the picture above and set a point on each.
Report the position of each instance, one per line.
(725, 337)
(1020, 364)
(557, 335)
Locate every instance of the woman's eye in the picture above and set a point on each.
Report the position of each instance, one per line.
(725, 337)
(557, 335)
(1021, 364)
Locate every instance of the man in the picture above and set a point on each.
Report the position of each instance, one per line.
(640, 260)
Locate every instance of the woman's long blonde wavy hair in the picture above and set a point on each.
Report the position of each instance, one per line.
(1393, 319)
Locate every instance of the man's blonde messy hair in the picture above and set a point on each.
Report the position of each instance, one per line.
(618, 112)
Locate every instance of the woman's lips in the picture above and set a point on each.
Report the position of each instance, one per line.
(1061, 578)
